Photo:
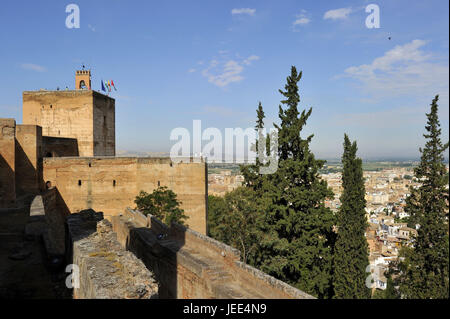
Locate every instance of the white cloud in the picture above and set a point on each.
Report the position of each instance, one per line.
(33, 67)
(404, 70)
(192, 70)
(301, 19)
(251, 58)
(222, 73)
(337, 14)
(91, 28)
(243, 11)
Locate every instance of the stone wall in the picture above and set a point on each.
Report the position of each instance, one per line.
(188, 264)
(106, 270)
(73, 114)
(7, 163)
(104, 126)
(59, 146)
(110, 184)
(47, 219)
(28, 159)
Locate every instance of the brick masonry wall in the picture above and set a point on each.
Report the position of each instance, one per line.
(111, 184)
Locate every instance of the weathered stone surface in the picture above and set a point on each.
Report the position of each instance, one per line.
(111, 184)
(85, 115)
(59, 146)
(48, 219)
(7, 163)
(28, 159)
(36, 228)
(107, 271)
(188, 264)
(37, 206)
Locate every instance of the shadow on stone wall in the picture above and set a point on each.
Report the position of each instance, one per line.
(7, 193)
(59, 146)
(157, 245)
(79, 226)
(189, 265)
(162, 256)
(28, 179)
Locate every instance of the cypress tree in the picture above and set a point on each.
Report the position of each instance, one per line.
(351, 249)
(250, 172)
(424, 272)
(298, 237)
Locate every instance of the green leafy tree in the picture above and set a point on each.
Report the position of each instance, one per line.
(236, 221)
(424, 272)
(163, 204)
(351, 249)
(217, 209)
(298, 237)
(389, 293)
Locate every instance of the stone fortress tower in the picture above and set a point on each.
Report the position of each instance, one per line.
(82, 114)
(67, 141)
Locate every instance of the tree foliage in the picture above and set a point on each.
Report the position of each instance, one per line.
(297, 236)
(351, 250)
(163, 204)
(424, 271)
(236, 221)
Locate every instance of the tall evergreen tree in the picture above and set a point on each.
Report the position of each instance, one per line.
(298, 236)
(351, 249)
(250, 172)
(424, 272)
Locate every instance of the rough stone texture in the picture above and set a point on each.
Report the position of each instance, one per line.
(54, 238)
(107, 271)
(111, 184)
(59, 146)
(188, 264)
(28, 159)
(7, 163)
(85, 115)
(48, 220)
(24, 271)
(104, 126)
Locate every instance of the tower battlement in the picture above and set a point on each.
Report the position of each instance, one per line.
(83, 80)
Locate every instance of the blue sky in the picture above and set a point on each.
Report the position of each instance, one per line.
(177, 61)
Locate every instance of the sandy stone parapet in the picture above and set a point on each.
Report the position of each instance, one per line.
(190, 265)
(107, 271)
